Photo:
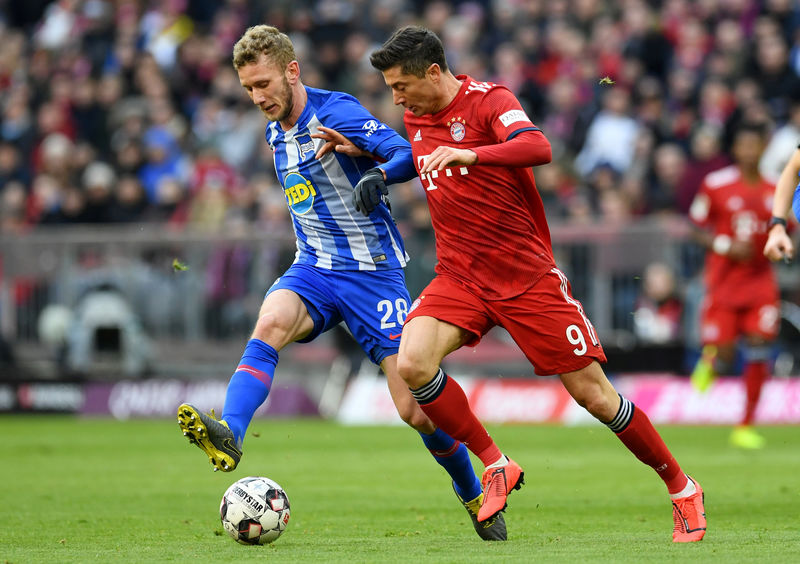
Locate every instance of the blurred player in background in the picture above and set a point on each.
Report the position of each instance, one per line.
(779, 245)
(348, 267)
(473, 146)
(732, 210)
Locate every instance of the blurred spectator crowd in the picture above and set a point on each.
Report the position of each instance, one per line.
(130, 110)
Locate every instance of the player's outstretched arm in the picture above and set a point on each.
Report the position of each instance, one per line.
(529, 148)
(371, 188)
(779, 244)
(394, 153)
(335, 141)
(442, 157)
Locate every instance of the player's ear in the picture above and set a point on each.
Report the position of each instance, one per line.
(293, 72)
(434, 72)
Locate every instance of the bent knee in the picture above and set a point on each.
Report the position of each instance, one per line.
(414, 417)
(415, 372)
(270, 322)
(274, 327)
(411, 413)
(601, 405)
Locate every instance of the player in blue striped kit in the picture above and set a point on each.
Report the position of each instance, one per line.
(348, 266)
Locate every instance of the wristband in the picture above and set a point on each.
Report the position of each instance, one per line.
(721, 244)
(775, 220)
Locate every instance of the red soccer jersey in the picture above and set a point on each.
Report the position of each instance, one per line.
(490, 225)
(726, 205)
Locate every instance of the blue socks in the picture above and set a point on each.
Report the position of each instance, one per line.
(453, 456)
(249, 386)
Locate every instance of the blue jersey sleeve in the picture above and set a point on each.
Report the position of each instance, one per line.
(399, 165)
(345, 114)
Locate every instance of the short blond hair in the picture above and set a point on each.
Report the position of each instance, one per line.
(263, 40)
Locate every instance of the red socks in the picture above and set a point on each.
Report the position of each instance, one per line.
(755, 374)
(443, 400)
(646, 444)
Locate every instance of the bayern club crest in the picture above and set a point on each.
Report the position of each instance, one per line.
(458, 128)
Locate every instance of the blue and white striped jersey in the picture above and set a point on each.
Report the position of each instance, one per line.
(330, 232)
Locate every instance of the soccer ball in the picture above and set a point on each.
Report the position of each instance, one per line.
(254, 510)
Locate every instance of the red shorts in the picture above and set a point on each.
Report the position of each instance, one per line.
(546, 322)
(721, 324)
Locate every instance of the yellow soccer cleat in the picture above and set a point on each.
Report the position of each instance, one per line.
(213, 436)
(704, 373)
(746, 437)
(493, 529)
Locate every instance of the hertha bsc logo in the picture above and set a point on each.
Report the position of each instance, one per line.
(305, 144)
(458, 128)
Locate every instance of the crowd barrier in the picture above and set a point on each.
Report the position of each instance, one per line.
(197, 287)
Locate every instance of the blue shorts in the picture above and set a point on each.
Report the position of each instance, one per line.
(372, 303)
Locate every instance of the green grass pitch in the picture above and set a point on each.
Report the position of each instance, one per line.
(96, 490)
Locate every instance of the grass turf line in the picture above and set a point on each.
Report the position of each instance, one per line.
(90, 490)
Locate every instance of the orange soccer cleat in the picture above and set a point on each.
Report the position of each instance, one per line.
(497, 484)
(689, 516)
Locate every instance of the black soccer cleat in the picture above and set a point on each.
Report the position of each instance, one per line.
(493, 529)
(210, 434)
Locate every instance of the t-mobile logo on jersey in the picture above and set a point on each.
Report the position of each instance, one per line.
(449, 171)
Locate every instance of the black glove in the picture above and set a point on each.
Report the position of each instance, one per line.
(368, 192)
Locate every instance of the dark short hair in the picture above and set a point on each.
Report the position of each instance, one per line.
(758, 128)
(414, 48)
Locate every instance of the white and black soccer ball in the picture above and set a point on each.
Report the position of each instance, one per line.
(254, 510)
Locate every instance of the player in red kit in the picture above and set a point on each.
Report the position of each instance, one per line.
(473, 147)
(733, 211)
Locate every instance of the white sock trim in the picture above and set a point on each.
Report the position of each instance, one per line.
(687, 490)
(502, 461)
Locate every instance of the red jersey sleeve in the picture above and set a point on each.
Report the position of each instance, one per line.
(702, 210)
(529, 148)
(503, 114)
